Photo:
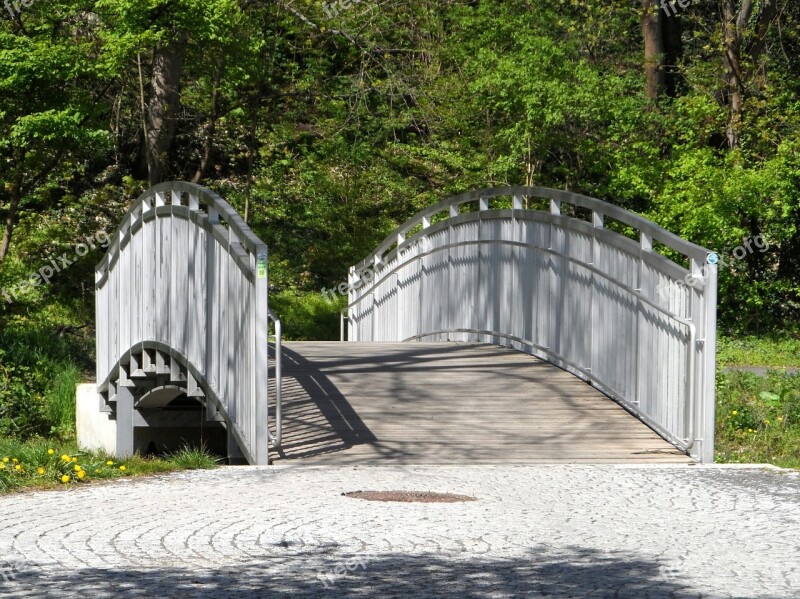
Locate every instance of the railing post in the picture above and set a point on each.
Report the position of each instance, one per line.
(709, 364)
(449, 291)
(645, 246)
(261, 362)
(597, 223)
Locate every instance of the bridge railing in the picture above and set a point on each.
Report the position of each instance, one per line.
(583, 284)
(182, 292)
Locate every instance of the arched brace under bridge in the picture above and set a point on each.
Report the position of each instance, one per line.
(580, 283)
(182, 307)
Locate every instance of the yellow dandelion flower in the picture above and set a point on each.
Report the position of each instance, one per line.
(65, 478)
(40, 470)
(18, 467)
(734, 412)
(81, 474)
(65, 457)
(779, 419)
(122, 468)
(51, 451)
(5, 460)
(74, 459)
(77, 468)
(766, 422)
(2, 465)
(109, 463)
(15, 460)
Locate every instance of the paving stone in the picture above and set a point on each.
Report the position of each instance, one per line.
(534, 531)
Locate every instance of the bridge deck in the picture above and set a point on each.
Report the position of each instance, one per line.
(449, 403)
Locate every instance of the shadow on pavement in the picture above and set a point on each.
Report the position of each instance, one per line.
(329, 573)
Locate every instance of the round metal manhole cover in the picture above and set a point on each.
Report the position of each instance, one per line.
(409, 496)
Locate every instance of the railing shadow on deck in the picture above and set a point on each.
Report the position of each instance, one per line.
(311, 400)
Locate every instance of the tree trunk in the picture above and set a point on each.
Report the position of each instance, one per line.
(163, 107)
(15, 193)
(672, 36)
(738, 54)
(733, 67)
(211, 130)
(11, 219)
(653, 48)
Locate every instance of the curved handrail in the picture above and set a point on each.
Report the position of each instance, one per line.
(201, 199)
(609, 259)
(600, 207)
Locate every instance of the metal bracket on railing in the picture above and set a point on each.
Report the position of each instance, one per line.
(277, 437)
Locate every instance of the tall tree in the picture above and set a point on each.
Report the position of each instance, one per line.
(164, 104)
(652, 32)
(745, 24)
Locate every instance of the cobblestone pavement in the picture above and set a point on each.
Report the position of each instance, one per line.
(287, 531)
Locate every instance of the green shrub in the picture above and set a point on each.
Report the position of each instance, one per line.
(758, 418)
(38, 374)
(307, 316)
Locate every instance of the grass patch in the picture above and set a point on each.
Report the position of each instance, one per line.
(194, 458)
(758, 418)
(59, 403)
(42, 464)
(771, 351)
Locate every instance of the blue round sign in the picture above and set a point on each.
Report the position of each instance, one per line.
(713, 258)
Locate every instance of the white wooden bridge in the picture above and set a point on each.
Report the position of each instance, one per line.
(502, 325)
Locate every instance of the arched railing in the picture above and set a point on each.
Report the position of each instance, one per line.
(581, 284)
(181, 301)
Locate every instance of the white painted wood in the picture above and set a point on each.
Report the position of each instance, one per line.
(604, 307)
(178, 284)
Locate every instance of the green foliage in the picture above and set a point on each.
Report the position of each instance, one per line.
(21, 407)
(38, 373)
(758, 418)
(308, 316)
(776, 350)
(60, 401)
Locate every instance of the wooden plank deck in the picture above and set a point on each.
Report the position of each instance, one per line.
(449, 403)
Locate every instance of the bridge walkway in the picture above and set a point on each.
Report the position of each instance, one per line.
(449, 403)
